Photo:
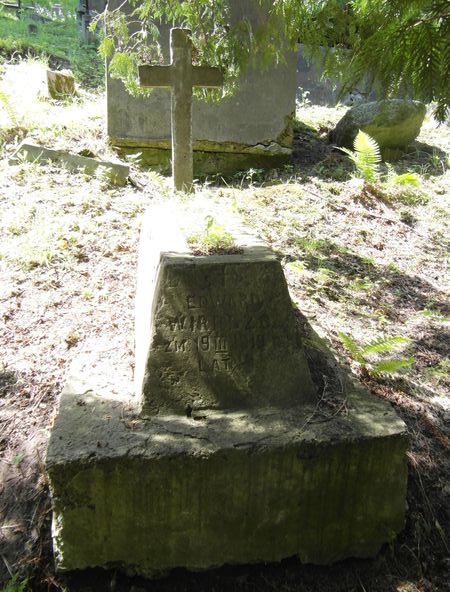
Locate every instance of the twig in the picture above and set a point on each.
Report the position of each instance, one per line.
(8, 567)
(318, 404)
(410, 228)
(360, 583)
(436, 523)
(136, 183)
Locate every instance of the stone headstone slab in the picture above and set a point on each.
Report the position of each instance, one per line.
(221, 333)
(224, 466)
(150, 494)
(116, 172)
(252, 128)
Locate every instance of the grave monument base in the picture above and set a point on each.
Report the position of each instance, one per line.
(206, 159)
(150, 494)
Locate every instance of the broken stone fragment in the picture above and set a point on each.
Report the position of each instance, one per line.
(117, 173)
(60, 84)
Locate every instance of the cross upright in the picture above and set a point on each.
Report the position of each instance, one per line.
(181, 76)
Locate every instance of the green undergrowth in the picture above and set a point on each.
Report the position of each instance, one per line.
(14, 585)
(380, 347)
(57, 40)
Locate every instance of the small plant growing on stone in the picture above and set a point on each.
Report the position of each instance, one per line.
(366, 156)
(363, 354)
(214, 240)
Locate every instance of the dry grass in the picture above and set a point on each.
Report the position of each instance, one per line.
(367, 263)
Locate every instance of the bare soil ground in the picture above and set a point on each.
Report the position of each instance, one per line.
(364, 260)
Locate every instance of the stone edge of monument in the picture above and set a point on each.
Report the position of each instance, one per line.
(163, 251)
(155, 155)
(105, 464)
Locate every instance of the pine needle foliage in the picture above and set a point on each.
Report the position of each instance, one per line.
(400, 46)
(381, 345)
(366, 156)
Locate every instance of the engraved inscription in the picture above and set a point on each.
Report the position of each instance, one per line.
(216, 364)
(176, 346)
(243, 300)
(217, 329)
(210, 343)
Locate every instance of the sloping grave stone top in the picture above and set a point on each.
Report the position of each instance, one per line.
(214, 332)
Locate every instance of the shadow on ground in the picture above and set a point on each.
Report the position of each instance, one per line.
(385, 287)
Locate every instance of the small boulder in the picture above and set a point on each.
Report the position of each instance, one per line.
(61, 84)
(393, 123)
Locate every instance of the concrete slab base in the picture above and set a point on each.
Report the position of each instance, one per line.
(205, 162)
(152, 494)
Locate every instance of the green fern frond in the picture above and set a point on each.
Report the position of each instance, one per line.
(366, 156)
(383, 345)
(390, 366)
(5, 101)
(367, 147)
(353, 348)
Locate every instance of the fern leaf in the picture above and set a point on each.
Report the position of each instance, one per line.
(5, 101)
(352, 347)
(347, 151)
(390, 366)
(383, 345)
(367, 153)
(368, 146)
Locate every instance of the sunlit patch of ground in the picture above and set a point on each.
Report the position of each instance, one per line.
(366, 263)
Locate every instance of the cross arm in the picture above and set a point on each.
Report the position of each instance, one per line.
(207, 76)
(155, 76)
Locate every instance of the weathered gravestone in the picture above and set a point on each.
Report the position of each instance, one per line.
(220, 335)
(253, 128)
(227, 455)
(181, 76)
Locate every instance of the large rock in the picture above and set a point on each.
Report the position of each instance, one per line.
(392, 123)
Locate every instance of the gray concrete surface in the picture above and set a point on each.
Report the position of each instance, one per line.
(148, 495)
(117, 172)
(254, 123)
(214, 332)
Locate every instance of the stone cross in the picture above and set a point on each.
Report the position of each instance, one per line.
(181, 76)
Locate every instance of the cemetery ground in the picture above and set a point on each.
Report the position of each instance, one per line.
(367, 260)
